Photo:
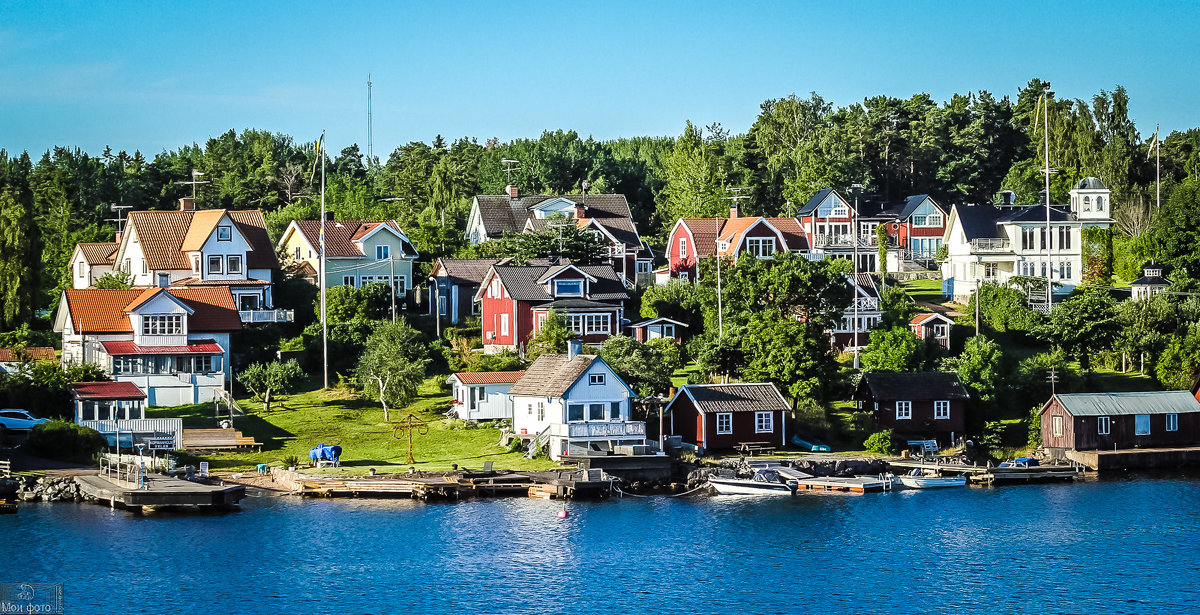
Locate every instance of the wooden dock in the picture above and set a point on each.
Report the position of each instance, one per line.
(548, 485)
(415, 487)
(849, 484)
(990, 475)
(160, 492)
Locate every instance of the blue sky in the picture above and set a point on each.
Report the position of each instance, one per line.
(155, 76)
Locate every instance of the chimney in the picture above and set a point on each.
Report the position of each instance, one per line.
(580, 211)
(733, 211)
(574, 347)
(187, 203)
(329, 216)
(118, 237)
(671, 393)
(511, 190)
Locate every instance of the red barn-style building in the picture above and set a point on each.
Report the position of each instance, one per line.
(724, 416)
(694, 239)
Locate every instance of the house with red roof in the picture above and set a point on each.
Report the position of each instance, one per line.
(357, 253)
(932, 327)
(482, 396)
(694, 239)
(173, 343)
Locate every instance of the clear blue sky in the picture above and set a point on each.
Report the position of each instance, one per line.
(158, 75)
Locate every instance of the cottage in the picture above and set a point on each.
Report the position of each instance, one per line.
(108, 401)
(726, 416)
(172, 342)
(483, 396)
(1151, 283)
(576, 404)
(11, 359)
(455, 284)
(925, 405)
(693, 239)
(932, 327)
(90, 261)
(357, 252)
(1106, 421)
(657, 328)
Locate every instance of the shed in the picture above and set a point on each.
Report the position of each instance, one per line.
(1143, 419)
(657, 328)
(724, 416)
(483, 395)
(928, 405)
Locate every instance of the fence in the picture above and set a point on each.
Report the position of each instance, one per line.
(140, 427)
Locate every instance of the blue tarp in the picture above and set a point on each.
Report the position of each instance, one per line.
(325, 452)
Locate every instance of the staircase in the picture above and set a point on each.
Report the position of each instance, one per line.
(538, 442)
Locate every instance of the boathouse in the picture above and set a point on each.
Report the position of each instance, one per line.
(1108, 421)
(925, 405)
(728, 416)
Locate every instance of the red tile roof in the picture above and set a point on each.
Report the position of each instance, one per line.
(106, 390)
(35, 353)
(489, 377)
(165, 235)
(114, 348)
(340, 235)
(99, 253)
(96, 310)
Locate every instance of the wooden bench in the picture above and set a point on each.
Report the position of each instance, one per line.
(752, 448)
(218, 440)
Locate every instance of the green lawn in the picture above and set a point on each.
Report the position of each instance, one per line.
(924, 290)
(337, 417)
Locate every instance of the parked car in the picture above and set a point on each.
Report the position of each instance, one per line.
(11, 418)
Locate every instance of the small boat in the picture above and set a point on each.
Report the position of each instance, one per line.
(8, 507)
(917, 481)
(812, 446)
(1019, 462)
(764, 482)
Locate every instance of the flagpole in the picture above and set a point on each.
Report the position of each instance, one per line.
(321, 240)
(1157, 172)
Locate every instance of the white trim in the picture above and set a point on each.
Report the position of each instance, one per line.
(728, 430)
(903, 410)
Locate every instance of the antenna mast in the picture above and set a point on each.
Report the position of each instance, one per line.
(120, 219)
(508, 167)
(370, 137)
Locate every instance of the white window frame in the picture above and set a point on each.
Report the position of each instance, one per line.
(1137, 429)
(760, 247)
(596, 379)
(941, 330)
(596, 323)
(297, 253)
(1056, 425)
(1103, 426)
(724, 423)
(220, 262)
(541, 413)
(162, 324)
(683, 275)
(668, 331)
(559, 292)
(764, 422)
(82, 265)
(683, 248)
(383, 252)
(903, 410)
(1172, 422)
(234, 264)
(224, 233)
(504, 324)
(441, 305)
(941, 409)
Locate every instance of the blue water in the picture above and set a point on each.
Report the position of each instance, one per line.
(1128, 545)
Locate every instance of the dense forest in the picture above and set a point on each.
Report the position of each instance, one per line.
(964, 150)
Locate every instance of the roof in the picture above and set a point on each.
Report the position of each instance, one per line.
(792, 232)
(488, 377)
(1036, 213)
(1117, 404)
(816, 199)
(341, 235)
(741, 397)
(98, 310)
(106, 390)
(577, 304)
(502, 214)
(194, 281)
(868, 283)
(921, 319)
(651, 321)
(1152, 280)
(551, 375)
(122, 347)
(979, 221)
(1090, 183)
(521, 282)
(914, 385)
(164, 235)
(33, 353)
(704, 234)
(911, 204)
(99, 253)
(469, 271)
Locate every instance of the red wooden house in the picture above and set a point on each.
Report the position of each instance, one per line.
(925, 405)
(915, 227)
(515, 300)
(932, 327)
(723, 416)
(693, 239)
(1113, 421)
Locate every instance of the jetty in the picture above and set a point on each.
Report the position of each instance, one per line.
(120, 485)
(551, 484)
(847, 484)
(991, 475)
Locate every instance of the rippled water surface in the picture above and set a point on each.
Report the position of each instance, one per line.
(1127, 545)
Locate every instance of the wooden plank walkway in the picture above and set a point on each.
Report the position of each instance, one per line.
(850, 484)
(161, 491)
(991, 474)
(549, 485)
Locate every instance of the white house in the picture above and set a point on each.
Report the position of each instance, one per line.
(90, 261)
(577, 404)
(869, 313)
(358, 252)
(483, 396)
(173, 343)
(988, 243)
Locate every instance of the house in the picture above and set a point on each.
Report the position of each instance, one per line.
(987, 243)
(657, 328)
(191, 249)
(694, 239)
(925, 405)
(171, 342)
(607, 215)
(108, 401)
(932, 327)
(1107, 421)
(483, 396)
(11, 359)
(852, 333)
(1151, 283)
(724, 416)
(455, 284)
(90, 261)
(358, 252)
(577, 404)
(516, 299)
(914, 227)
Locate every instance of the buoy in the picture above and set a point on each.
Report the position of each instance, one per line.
(563, 514)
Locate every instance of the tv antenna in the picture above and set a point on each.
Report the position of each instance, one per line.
(508, 167)
(194, 182)
(120, 219)
(370, 139)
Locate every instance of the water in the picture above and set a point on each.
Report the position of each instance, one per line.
(1125, 545)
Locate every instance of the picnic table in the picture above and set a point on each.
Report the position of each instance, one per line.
(752, 448)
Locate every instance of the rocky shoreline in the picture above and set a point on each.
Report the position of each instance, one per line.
(43, 489)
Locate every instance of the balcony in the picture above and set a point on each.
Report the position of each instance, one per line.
(843, 241)
(865, 304)
(600, 429)
(990, 244)
(261, 316)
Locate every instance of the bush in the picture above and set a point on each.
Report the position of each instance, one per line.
(881, 442)
(65, 441)
(291, 461)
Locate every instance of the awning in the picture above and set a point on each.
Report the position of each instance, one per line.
(115, 348)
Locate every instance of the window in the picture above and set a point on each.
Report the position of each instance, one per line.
(682, 248)
(164, 280)
(764, 422)
(1064, 237)
(400, 283)
(1099, 203)
(145, 267)
(595, 412)
(348, 280)
(575, 412)
(934, 220)
(1087, 203)
(724, 423)
(215, 264)
(643, 266)
(442, 305)
(568, 288)
(162, 325)
(1056, 426)
(840, 211)
(541, 415)
(903, 410)
(504, 324)
(760, 247)
(1027, 241)
(596, 379)
(683, 275)
(235, 264)
(614, 411)
(1103, 425)
(224, 233)
(596, 323)
(1042, 237)
(668, 331)
(920, 220)
(81, 268)
(297, 252)
(126, 266)
(941, 331)
(1141, 425)
(941, 409)
(1172, 419)
(383, 253)
(196, 264)
(529, 410)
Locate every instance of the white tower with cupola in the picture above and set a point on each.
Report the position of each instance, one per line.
(1091, 200)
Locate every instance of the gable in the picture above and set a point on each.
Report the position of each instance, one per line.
(832, 200)
(554, 205)
(611, 380)
(161, 302)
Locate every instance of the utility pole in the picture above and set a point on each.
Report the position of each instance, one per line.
(370, 139)
(978, 300)
(854, 240)
(392, 284)
(1053, 378)
(1048, 170)
(324, 269)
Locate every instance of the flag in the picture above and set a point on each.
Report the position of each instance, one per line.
(320, 156)
(1153, 146)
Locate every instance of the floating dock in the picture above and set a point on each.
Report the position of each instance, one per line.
(849, 484)
(990, 475)
(160, 492)
(1137, 458)
(562, 484)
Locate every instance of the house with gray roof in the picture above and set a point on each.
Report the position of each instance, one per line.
(606, 215)
(1108, 421)
(994, 244)
(918, 405)
(576, 405)
(725, 416)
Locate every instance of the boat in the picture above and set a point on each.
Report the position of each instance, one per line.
(8, 507)
(764, 482)
(918, 481)
(1020, 462)
(812, 446)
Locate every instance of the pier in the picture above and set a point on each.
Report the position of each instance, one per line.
(552, 484)
(1137, 458)
(990, 475)
(849, 484)
(159, 492)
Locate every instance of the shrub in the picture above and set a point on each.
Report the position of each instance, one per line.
(291, 461)
(881, 442)
(65, 441)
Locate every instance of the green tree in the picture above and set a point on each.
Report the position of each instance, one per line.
(115, 279)
(1179, 364)
(641, 366)
(1175, 233)
(693, 180)
(1003, 308)
(392, 366)
(550, 338)
(1084, 323)
(980, 368)
(780, 350)
(898, 308)
(268, 380)
(560, 238)
(678, 300)
(897, 350)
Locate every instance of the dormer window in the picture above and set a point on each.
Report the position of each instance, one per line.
(760, 247)
(383, 253)
(568, 288)
(162, 325)
(1154, 273)
(224, 233)
(722, 246)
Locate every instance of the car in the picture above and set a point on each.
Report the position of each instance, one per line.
(11, 418)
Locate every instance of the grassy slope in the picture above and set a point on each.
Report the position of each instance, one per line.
(336, 417)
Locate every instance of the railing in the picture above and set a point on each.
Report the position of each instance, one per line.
(990, 244)
(538, 442)
(870, 304)
(842, 241)
(605, 429)
(5, 468)
(253, 316)
(122, 473)
(139, 426)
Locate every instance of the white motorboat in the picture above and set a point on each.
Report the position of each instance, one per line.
(764, 482)
(932, 482)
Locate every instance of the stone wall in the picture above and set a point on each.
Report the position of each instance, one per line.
(60, 489)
